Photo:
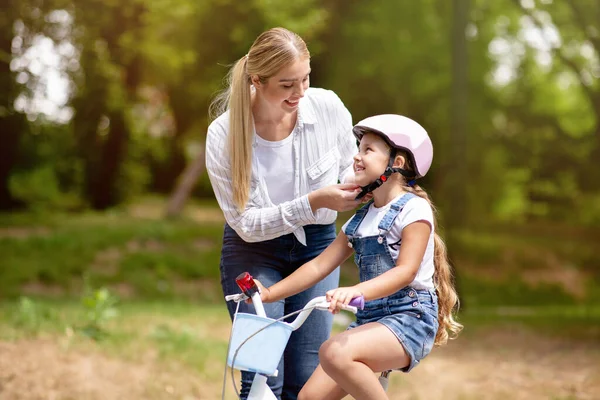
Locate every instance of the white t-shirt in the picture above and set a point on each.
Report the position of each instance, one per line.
(416, 209)
(275, 168)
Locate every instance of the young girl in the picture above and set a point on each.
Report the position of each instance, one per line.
(405, 276)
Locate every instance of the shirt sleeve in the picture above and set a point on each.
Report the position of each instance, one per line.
(346, 141)
(255, 223)
(416, 209)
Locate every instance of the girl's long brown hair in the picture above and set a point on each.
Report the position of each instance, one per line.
(443, 277)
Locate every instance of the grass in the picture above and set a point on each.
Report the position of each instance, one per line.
(186, 333)
(196, 335)
(188, 341)
(148, 255)
(170, 313)
(140, 255)
(578, 322)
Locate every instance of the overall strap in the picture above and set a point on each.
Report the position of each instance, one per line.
(388, 219)
(357, 219)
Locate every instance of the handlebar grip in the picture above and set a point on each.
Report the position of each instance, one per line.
(358, 302)
(238, 298)
(350, 308)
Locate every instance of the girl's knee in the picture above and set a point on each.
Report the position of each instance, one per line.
(332, 355)
(305, 394)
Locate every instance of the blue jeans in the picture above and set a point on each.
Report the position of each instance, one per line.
(269, 262)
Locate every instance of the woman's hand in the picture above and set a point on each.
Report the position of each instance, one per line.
(366, 198)
(264, 293)
(341, 297)
(339, 197)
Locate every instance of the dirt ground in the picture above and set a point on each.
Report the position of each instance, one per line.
(509, 364)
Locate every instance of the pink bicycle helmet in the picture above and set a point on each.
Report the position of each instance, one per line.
(401, 133)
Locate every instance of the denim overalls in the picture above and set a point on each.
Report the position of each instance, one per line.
(410, 314)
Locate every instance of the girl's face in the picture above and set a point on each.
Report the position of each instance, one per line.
(285, 89)
(371, 160)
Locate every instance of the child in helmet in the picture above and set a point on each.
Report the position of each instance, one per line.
(405, 276)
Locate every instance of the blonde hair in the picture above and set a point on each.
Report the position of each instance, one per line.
(443, 278)
(271, 51)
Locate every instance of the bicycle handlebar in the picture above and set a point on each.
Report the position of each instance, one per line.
(320, 303)
(250, 290)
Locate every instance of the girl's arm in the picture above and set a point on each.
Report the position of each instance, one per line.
(415, 237)
(311, 272)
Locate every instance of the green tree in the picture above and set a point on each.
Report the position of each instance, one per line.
(12, 122)
(108, 34)
(558, 102)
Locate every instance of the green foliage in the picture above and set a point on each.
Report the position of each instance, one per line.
(38, 187)
(100, 306)
(530, 141)
(185, 343)
(150, 256)
(30, 316)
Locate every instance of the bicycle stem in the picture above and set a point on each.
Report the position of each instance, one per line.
(258, 305)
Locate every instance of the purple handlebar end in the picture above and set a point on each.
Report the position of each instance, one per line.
(358, 302)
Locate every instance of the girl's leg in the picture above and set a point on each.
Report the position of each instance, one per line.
(351, 357)
(321, 386)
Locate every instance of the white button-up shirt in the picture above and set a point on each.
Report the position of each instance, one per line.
(323, 149)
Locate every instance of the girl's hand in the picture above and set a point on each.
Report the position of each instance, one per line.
(341, 296)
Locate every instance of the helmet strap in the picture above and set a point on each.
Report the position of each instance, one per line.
(389, 170)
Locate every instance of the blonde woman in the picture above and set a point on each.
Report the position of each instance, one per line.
(405, 276)
(274, 156)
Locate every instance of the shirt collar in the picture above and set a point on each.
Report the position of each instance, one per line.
(306, 112)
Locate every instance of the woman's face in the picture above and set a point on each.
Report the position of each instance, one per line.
(371, 160)
(285, 89)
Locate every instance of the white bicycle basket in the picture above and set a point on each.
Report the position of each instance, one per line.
(264, 350)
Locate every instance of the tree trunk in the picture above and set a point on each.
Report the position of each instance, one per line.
(186, 183)
(11, 127)
(89, 107)
(166, 172)
(12, 122)
(104, 157)
(456, 167)
(105, 193)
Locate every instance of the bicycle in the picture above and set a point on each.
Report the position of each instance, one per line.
(256, 343)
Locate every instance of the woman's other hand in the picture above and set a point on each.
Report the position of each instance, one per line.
(366, 198)
(263, 291)
(339, 197)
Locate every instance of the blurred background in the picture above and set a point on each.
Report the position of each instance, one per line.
(110, 234)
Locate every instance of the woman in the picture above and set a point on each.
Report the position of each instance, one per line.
(274, 157)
